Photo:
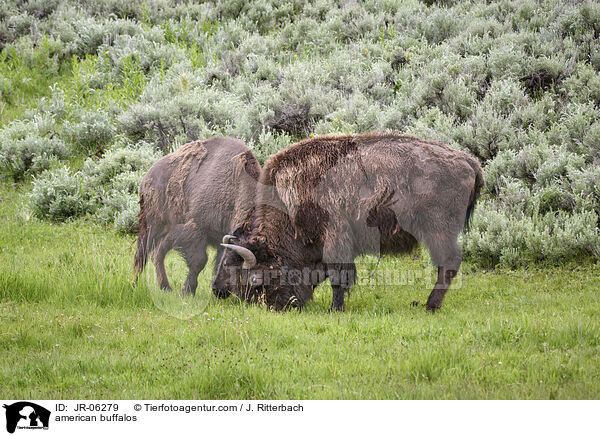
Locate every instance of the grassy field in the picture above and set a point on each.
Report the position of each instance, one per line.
(73, 326)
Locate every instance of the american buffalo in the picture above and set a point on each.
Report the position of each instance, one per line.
(189, 199)
(326, 200)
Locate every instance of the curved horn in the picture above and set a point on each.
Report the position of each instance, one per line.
(227, 239)
(247, 255)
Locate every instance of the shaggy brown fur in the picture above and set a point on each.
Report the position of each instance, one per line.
(326, 200)
(190, 198)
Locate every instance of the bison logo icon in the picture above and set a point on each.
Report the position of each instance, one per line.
(26, 415)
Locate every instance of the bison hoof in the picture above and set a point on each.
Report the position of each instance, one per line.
(414, 303)
(432, 308)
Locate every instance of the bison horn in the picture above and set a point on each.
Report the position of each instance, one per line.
(227, 239)
(247, 255)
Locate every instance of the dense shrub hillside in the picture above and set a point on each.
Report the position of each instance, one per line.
(111, 85)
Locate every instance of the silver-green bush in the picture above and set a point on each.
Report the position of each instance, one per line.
(92, 132)
(59, 195)
(515, 82)
(29, 147)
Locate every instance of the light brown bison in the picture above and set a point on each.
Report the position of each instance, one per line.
(324, 201)
(189, 199)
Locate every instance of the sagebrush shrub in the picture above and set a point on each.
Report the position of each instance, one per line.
(504, 165)
(120, 208)
(552, 198)
(108, 186)
(269, 143)
(486, 134)
(29, 147)
(148, 51)
(500, 238)
(516, 83)
(578, 128)
(58, 195)
(504, 97)
(128, 182)
(515, 195)
(56, 104)
(506, 59)
(432, 123)
(92, 132)
(119, 161)
(41, 52)
(539, 114)
(83, 34)
(583, 86)
(585, 184)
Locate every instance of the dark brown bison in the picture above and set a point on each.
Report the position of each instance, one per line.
(189, 199)
(324, 201)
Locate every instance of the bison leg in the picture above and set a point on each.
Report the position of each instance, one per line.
(159, 263)
(337, 302)
(339, 261)
(436, 297)
(192, 246)
(447, 256)
(196, 260)
(342, 277)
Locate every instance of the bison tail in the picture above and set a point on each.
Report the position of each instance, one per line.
(143, 240)
(479, 184)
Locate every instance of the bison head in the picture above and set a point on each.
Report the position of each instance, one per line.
(243, 269)
(249, 270)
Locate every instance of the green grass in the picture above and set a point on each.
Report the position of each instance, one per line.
(25, 80)
(73, 326)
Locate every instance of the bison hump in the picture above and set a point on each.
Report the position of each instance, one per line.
(186, 160)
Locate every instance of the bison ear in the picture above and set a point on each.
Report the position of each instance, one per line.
(246, 163)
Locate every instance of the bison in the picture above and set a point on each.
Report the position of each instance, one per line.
(326, 200)
(189, 199)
